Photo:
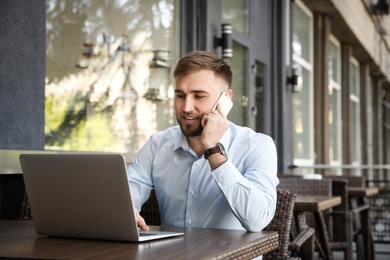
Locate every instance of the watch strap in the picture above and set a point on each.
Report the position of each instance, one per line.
(211, 151)
(216, 149)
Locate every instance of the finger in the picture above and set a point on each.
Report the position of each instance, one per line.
(140, 221)
(204, 120)
(142, 224)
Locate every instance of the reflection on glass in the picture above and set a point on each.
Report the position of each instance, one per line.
(355, 80)
(334, 57)
(240, 96)
(334, 113)
(301, 34)
(302, 100)
(260, 96)
(355, 143)
(237, 14)
(355, 113)
(302, 116)
(108, 73)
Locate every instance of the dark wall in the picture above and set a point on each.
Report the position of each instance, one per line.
(22, 74)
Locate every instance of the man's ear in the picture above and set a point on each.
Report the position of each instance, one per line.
(230, 93)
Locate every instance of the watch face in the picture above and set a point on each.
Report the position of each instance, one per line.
(221, 148)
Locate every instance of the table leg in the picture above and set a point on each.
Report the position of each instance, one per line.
(370, 253)
(357, 222)
(364, 241)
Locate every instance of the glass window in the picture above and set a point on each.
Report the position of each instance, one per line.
(302, 100)
(237, 14)
(334, 115)
(109, 72)
(238, 65)
(355, 113)
(302, 123)
(260, 97)
(301, 41)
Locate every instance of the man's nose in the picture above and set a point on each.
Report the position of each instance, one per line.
(188, 104)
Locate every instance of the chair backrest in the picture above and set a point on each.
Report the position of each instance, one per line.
(352, 181)
(306, 187)
(150, 210)
(25, 210)
(282, 223)
(329, 185)
(340, 188)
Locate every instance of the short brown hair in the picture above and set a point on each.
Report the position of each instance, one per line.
(203, 60)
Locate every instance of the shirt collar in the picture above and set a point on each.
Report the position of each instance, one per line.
(182, 142)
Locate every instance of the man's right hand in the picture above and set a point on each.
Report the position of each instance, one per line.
(140, 221)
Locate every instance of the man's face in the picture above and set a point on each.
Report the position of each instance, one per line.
(196, 94)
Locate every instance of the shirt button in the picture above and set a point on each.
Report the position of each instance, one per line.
(219, 179)
(190, 222)
(193, 192)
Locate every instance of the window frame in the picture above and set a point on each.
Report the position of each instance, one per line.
(308, 65)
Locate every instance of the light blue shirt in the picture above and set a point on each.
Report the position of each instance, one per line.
(240, 194)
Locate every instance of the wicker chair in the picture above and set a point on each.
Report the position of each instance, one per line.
(352, 181)
(302, 244)
(340, 239)
(282, 223)
(150, 211)
(340, 188)
(25, 211)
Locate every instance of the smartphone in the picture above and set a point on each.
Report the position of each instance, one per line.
(224, 102)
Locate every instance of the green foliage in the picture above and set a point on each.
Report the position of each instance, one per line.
(73, 125)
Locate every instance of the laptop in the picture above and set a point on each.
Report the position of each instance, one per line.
(82, 196)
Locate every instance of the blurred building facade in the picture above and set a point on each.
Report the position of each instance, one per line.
(97, 75)
(349, 70)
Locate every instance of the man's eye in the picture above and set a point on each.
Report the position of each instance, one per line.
(200, 97)
(180, 96)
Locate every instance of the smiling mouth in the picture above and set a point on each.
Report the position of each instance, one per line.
(190, 118)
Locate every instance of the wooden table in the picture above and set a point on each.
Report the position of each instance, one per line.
(362, 191)
(359, 204)
(19, 240)
(316, 205)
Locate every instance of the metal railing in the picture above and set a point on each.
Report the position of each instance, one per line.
(346, 166)
(375, 174)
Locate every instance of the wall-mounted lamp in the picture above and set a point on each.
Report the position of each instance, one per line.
(159, 75)
(225, 41)
(295, 81)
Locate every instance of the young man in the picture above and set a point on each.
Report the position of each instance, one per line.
(207, 172)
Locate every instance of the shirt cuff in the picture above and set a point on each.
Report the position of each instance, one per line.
(226, 175)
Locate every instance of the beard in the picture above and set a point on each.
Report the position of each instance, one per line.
(190, 130)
